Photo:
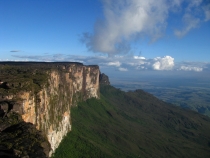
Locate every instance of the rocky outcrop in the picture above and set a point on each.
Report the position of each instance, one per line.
(54, 88)
(104, 79)
(21, 139)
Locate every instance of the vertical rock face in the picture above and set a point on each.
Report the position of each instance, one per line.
(49, 107)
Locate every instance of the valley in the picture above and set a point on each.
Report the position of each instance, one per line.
(192, 93)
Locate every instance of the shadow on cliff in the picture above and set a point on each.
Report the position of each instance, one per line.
(21, 139)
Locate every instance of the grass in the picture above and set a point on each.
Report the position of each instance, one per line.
(193, 95)
(134, 124)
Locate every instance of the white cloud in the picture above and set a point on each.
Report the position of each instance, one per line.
(165, 63)
(138, 57)
(190, 23)
(122, 69)
(127, 21)
(115, 63)
(207, 12)
(191, 68)
(124, 63)
(141, 68)
(193, 16)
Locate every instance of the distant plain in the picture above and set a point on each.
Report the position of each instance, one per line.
(188, 92)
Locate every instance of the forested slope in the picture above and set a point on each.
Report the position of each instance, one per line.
(134, 124)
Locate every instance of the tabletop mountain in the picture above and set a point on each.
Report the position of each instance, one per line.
(61, 110)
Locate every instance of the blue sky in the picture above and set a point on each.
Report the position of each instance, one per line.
(118, 35)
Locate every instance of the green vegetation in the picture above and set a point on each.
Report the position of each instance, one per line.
(134, 124)
(119, 124)
(22, 77)
(187, 93)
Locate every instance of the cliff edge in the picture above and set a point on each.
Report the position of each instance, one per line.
(104, 79)
(43, 93)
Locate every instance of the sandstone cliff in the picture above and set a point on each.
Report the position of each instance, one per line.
(43, 93)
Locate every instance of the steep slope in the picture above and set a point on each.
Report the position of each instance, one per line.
(134, 124)
(43, 93)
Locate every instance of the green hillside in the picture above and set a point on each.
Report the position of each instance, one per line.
(190, 92)
(134, 124)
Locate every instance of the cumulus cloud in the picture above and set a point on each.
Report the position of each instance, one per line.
(122, 69)
(191, 68)
(124, 63)
(165, 63)
(127, 21)
(138, 57)
(115, 63)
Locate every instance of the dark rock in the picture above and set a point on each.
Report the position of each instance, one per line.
(16, 107)
(4, 106)
(104, 79)
(4, 85)
(9, 119)
(2, 113)
(7, 106)
(7, 153)
(21, 139)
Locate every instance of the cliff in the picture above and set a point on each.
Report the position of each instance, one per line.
(104, 79)
(43, 93)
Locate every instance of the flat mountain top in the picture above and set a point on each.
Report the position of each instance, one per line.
(39, 64)
(35, 62)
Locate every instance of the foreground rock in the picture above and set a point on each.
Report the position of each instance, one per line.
(21, 139)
